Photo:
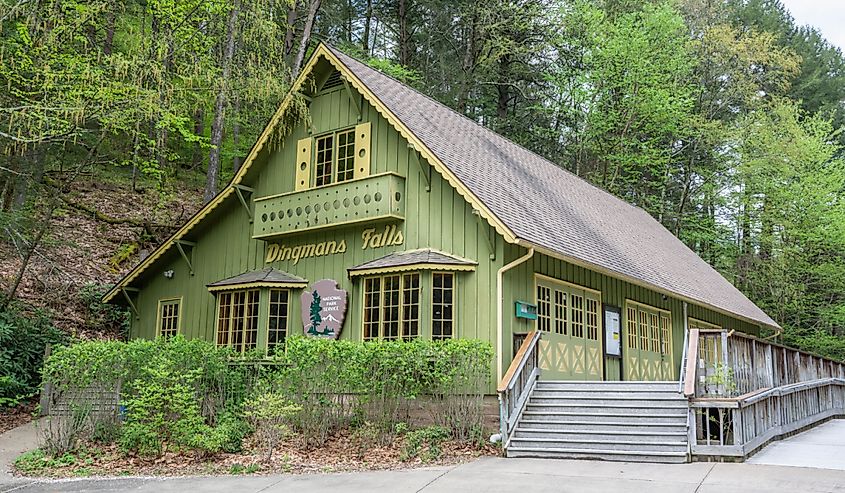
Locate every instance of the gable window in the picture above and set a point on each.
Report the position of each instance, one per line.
(392, 307)
(168, 317)
(334, 157)
(277, 325)
(237, 319)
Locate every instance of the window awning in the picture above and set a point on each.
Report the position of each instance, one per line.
(265, 278)
(423, 259)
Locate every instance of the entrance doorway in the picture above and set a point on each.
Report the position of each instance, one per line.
(648, 352)
(569, 317)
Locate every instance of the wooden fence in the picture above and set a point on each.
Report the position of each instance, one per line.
(746, 391)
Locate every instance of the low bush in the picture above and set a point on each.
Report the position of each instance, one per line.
(424, 443)
(23, 338)
(191, 395)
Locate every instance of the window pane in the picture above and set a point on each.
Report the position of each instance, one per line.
(323, 163)
(372, 302)
(224, 304)
(442, 306)
(345, 155)
(390, 303)
(543, 308)
(277, 326)
(410, 306)
(168, 318)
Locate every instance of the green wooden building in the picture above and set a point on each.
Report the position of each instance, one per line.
(435, 227)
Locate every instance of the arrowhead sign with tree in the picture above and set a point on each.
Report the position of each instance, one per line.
(323, 309)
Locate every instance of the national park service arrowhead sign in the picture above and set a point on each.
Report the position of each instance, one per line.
(323, 309)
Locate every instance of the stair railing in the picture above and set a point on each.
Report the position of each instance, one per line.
(517, 384)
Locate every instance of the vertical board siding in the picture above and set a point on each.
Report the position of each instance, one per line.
(519, 286)
(439, 218)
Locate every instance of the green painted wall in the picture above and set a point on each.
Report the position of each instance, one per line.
(439, 218)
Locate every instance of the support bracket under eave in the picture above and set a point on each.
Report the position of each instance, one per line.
(239, 190)
(132, 306)
(180, 244)
(489, 233)
(425, 169)
(352, 94)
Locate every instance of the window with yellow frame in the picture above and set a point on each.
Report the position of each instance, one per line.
(334, 157)
(169, 316)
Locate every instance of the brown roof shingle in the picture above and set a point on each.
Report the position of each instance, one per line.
(413, 257)
(547, 206)
(263, 276)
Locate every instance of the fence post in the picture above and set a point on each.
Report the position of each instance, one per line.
(46, 387)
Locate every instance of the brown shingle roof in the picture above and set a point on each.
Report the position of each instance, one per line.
(268, 276)
(546, 206)
(424, 256)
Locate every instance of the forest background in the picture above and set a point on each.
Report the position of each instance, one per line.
(722, 119)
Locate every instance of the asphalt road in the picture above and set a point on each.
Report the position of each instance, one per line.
(490, 475)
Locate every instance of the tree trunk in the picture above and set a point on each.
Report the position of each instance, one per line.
(291, 32)
(404, 38)
(108, 42)
(368, 19)
(236, 134)
(10, 294)
(503, 91)
(468, 63)
(220, 106)
(313, 8)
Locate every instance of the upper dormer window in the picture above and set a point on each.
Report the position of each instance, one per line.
(335, 157)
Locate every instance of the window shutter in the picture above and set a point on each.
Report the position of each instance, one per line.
(362, 150)
(303, 164)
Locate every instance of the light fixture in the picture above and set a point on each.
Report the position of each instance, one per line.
(168, 274)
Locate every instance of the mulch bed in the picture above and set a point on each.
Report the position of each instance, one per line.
(339, 454)
(13, 417)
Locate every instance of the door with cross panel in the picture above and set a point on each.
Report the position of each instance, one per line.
(569, 318)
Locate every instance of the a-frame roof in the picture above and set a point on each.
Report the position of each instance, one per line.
(528, 199)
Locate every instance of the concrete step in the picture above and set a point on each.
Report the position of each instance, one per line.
(610, 455)
(605, 394)
(609, 386)
(587, 408)
(616, 427)
(565, 399)
(632, 435)
(599, 415)
(620, 444)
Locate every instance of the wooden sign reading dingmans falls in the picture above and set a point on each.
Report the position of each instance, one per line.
(323, 309)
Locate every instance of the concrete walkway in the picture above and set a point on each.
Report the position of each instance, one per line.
(822, 447)
(492, 475)
(13, 443)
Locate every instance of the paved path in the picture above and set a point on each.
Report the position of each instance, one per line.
(13, 443)
(491, 475)
(822, 446)
(771, 470)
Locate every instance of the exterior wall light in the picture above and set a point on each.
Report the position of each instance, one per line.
(168, 274)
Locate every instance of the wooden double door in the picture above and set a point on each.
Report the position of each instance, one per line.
(648, 348)
(569, 317)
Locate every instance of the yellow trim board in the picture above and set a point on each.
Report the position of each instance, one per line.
(702, 324)
(412, 267)
(555, 280)
(629, 301)
(252, 285)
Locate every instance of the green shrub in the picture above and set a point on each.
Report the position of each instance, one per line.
(23, 337)
(270, 413)
(424, 443)
(104, 318)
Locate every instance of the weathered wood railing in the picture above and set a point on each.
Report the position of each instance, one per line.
(746, 391)
(517, 384)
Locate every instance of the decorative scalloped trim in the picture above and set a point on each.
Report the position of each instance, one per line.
(410, 267)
